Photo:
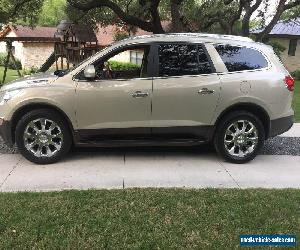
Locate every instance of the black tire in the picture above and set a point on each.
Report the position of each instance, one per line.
(225, 123)
(65, 141)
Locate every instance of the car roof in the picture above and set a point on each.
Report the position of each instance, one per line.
(190, 37)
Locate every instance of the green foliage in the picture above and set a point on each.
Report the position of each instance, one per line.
(296, 74)
(50, 14)
(53, 12)
(102, 16)
(296, 101)
(11, 65)
(278, 47)
(30, 71)
(118, 36)
(123, 66)
(20, 10)
(291, 13)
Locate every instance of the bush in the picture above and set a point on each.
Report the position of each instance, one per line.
(11, 65)
(123, 66)
(278, 47)
(30, 71)
(296, 74)
(118, 36)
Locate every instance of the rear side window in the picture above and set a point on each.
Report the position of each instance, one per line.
(183, 59)
(240, 58)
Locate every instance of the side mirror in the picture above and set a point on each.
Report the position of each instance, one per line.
(90, 72)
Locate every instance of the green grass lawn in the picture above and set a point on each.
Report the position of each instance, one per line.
(145, 218)
(296, 102)
(11, 75)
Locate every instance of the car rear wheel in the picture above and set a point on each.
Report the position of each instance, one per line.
(43, 137)
(239, 137)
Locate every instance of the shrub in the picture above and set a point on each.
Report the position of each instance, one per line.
(123, 66)
(118, 36)
(278, 47)
(11, 65)
(296, 74)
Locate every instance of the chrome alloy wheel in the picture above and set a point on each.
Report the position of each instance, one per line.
(43, 138)
(241, 138)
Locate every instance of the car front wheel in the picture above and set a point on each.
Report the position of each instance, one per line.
(239, 137)
(43, 137)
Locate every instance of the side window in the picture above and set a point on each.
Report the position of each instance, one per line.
(240, 58)
(182, 59)
(122, 65)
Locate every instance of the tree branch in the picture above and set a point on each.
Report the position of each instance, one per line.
(292, 4)
(18, 6)
(280, 9)
(249, 12)
(125, 17)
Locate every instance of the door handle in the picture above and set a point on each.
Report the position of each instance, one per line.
(206, 91)
(140, 94)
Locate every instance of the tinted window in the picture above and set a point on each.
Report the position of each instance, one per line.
(238, 59)
(179, 60)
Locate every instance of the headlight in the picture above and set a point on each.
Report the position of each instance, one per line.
(7, 95)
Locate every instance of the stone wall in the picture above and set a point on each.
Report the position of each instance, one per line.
(292, 63)
(31, 54)
(36, 54)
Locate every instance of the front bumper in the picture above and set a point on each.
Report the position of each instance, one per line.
(5, 132)
(281, 125)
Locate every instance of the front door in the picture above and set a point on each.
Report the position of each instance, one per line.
(185, 91)
(117, 104)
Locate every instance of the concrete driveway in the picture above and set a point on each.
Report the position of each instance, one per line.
(196, 167)
(162, 167)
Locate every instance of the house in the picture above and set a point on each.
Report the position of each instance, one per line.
(287, 33)
(36, 45)
(35, 49)
(106, 36)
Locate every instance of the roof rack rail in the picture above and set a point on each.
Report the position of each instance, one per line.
(198, 35)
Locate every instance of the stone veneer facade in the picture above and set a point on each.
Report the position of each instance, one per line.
(36, 54)
(292, 63)
(31, 54)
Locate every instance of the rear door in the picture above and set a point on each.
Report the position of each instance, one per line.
(185, 90)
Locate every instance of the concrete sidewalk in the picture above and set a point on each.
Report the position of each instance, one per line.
(151, 168)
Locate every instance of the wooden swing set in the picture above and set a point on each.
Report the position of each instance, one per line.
(10, 55)
(72, 44)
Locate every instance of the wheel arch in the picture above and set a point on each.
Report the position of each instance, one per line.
(20, 112)
(252, 108)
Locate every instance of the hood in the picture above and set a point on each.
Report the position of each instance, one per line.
(30, 81)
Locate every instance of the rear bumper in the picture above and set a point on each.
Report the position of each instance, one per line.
(281, 125)
(5, 132)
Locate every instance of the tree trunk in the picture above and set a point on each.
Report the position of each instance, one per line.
(275, 19)
(156, 21)
(177, 25)
(247, 17)
(246, 24)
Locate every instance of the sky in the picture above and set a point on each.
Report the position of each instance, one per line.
(270, 11)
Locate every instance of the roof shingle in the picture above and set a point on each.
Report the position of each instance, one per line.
(290, 28)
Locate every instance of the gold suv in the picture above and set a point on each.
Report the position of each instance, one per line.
(175, 89)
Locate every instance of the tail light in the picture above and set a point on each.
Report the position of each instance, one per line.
(290, 83)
